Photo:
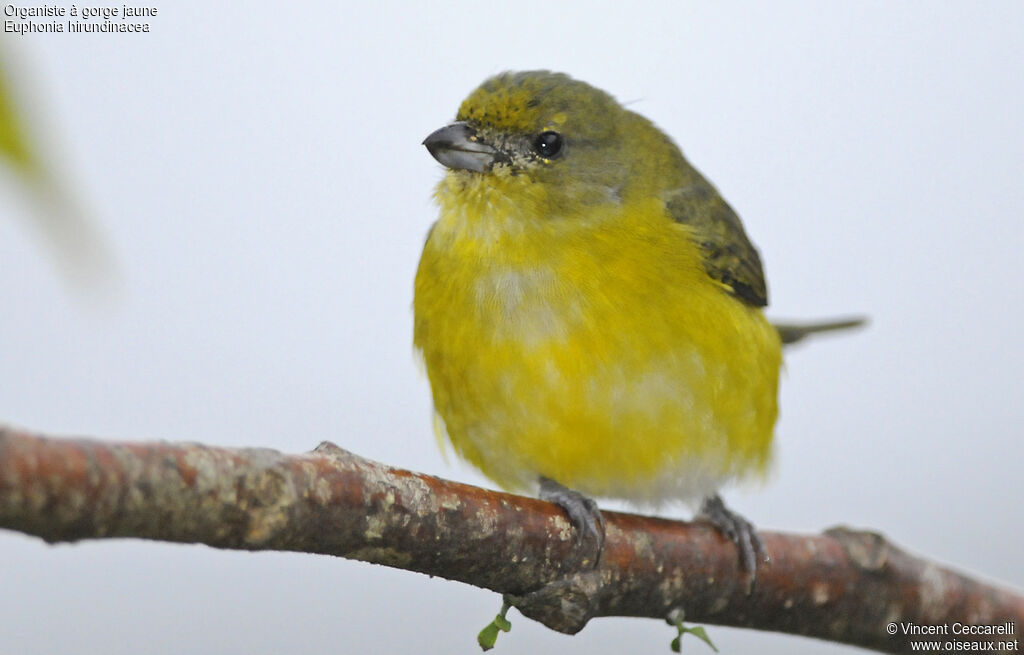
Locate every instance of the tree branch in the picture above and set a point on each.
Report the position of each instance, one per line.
(845, 586)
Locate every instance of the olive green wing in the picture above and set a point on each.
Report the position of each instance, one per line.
(729, 257)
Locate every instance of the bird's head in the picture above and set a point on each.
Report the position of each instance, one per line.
(542, 128)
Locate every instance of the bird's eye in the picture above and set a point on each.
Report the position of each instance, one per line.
(548, 144)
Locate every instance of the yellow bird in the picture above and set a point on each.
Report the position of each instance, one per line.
(588, 308)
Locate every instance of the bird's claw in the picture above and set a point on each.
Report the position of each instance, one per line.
(584, 515)
(739, 531)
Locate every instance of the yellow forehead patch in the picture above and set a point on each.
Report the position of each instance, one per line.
(509, 109)
(533, 101)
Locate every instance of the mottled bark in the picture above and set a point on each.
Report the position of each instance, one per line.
(845, 586)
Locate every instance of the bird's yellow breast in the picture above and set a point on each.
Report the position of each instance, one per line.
(592, 348)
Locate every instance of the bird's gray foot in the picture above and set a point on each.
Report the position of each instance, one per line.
(740, 531)
(568, 603)
(584, 515)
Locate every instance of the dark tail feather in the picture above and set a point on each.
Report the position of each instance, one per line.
(793, 332)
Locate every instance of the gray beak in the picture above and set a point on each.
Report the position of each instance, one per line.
(458, 146)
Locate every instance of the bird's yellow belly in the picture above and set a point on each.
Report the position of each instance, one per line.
(605, 359)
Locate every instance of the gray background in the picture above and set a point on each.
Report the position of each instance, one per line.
(256, 169)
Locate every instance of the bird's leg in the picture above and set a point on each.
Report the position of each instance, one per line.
(566, 604)
(738, 530)
(583, 513)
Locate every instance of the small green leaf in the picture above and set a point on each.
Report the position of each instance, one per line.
(699, 632)
(489, 635)
(676, 618)
(501, 622)
(677, 645)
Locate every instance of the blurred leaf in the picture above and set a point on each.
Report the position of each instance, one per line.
(66, 230)
(15, 145)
